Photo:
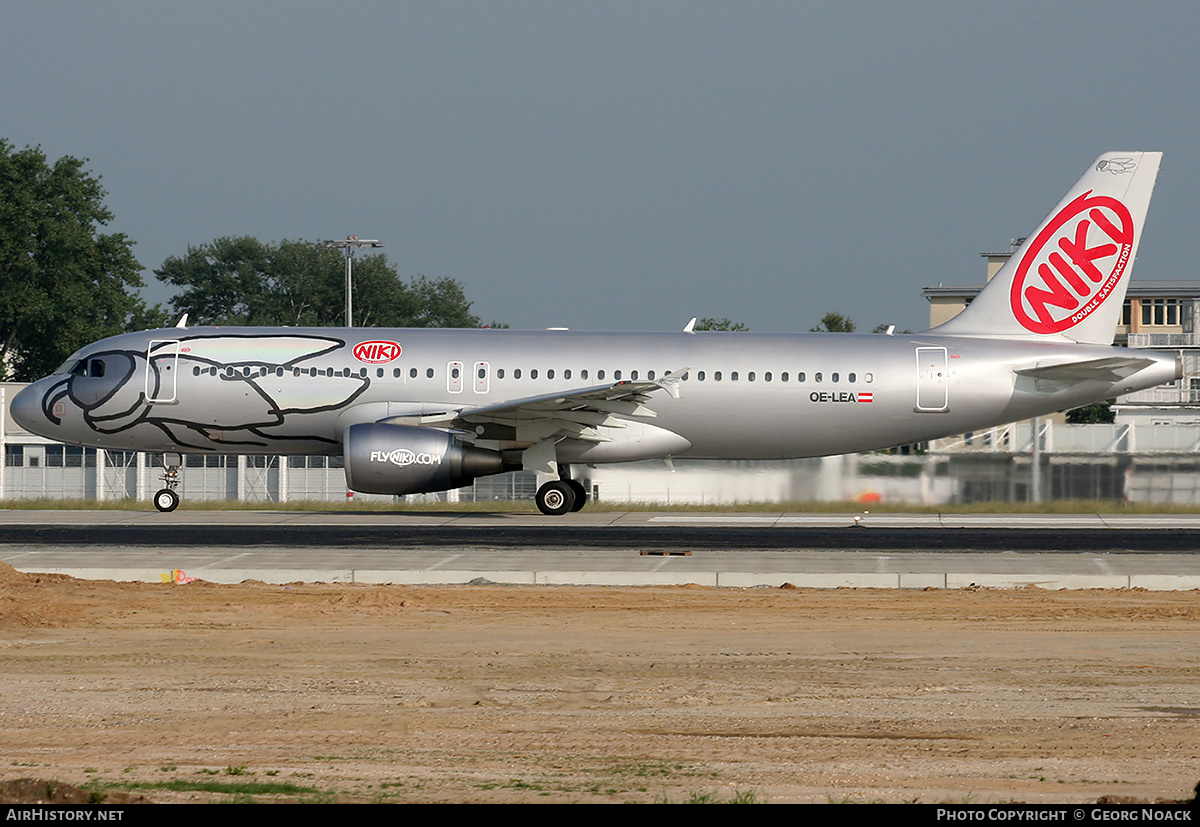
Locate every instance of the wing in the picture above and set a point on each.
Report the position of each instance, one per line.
(534, 423)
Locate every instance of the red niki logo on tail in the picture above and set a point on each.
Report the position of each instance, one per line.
(376, 353)
(1073, 265)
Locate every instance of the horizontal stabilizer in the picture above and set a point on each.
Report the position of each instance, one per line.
(1112, 369)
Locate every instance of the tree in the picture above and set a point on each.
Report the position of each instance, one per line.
(834, 322)
(62, 282)
(709, 323)
(1095, 413)
(244, 281)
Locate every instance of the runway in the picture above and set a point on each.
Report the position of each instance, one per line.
(613, 548)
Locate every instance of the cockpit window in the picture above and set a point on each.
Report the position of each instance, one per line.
(82, 367)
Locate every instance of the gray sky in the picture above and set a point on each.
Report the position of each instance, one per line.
(611, 165)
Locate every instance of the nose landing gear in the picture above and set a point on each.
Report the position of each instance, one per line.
(167, 499)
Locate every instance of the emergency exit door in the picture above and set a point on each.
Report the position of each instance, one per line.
(933, 380)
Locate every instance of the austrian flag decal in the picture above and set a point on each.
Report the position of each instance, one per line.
(1073, 265)
(376, 353)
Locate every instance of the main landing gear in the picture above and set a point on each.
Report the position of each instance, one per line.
(562, 495)
(167, 499)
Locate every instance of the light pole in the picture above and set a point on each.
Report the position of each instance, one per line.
(350, 244)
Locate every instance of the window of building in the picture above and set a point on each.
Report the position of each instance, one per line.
(1160, 312)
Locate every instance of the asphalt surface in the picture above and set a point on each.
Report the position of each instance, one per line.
(644, 537)
(613, 548)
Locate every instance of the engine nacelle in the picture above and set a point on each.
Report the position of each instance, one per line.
(401, 459)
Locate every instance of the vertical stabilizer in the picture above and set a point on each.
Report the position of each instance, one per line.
(1068, 279)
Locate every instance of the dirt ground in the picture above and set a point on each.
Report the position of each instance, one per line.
(202, 692)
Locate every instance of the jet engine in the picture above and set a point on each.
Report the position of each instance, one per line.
(402, 459)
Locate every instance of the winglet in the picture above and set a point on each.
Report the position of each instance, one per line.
(182, 323)
(670, 382)
(690, 327)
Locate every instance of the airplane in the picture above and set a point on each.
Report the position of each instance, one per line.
(423, 410)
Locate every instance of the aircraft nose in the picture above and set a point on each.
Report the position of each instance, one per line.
(26, 410)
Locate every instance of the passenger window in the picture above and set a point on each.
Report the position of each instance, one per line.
(500, 373)
(533, 374)
(428, 373)
(650, 375)
(767, 376)
(516, 373)
(868, 378)
(583, 374)
(600, 374)
(567, 373)
(550, 374)
(733, 377)
(833, 377)
(783, 377)
(412, 373)
(700, 376)
(717, 376)
(851, 378)
(800, 376)
(633, 375)
(817, 377)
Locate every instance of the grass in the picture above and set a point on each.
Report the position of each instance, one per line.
(234, 788)
(737, 797)
(527, 507)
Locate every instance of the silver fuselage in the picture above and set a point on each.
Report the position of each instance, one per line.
(744, 395)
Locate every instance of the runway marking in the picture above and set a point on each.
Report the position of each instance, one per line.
(224, 560)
